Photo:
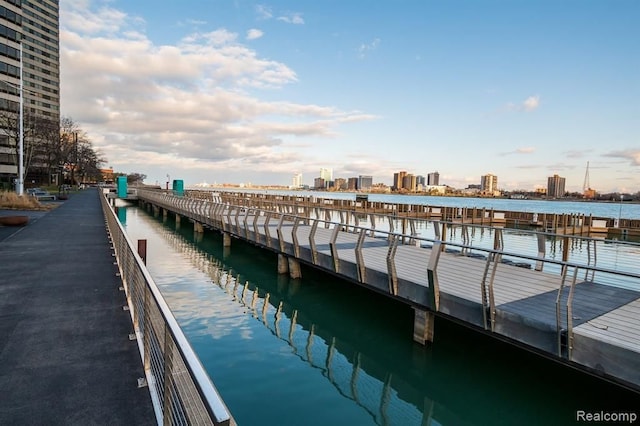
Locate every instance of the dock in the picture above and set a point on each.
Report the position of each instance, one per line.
(562, 309)
(566, 224)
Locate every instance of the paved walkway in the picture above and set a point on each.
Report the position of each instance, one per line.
(65, 355)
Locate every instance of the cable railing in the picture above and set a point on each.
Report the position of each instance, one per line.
(181, 391)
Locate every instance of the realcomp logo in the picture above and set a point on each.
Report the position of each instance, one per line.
(606, 417)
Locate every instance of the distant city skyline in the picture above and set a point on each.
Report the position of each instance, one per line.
(251, 91)
(554, 186)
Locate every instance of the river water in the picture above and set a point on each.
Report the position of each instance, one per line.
(321, 351)
(613, 209)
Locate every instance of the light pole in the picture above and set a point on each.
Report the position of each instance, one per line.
(20, 185)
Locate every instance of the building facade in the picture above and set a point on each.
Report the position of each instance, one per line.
(433, 178)
(409, 183)
(489, 184)
(555, 186)
(352, 184)
(29, 36)
(326, 174)
(398, 179)
(297, 181)
(365, 183)
(340, 184)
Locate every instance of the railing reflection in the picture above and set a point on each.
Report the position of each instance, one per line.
(180, 390)
(313, 341)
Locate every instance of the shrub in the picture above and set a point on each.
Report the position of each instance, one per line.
(11, 200)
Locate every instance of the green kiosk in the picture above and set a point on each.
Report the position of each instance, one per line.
(121, 183)
(178, 187)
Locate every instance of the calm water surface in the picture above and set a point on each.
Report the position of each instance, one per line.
(320, 351)
(613, 209)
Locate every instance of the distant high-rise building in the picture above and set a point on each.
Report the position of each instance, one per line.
(319, 183)
(297, 181)
(340, 183)
(421, 181)
(326, 174)
(489, 183)
(365, 182)
(433, 178)
(409, 182)
(555, 186)
(398, 179)
(352, 184)
(32, 26)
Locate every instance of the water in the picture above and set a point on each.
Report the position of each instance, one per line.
(613, 209)
(321, 351)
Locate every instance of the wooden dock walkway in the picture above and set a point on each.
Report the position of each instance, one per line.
(572, 315)
(567, 224)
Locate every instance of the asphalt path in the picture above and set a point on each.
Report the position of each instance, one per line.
(65, 354)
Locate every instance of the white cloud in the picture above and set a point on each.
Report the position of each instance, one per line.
(368, 47)
(292, 18)
(525, 150)
(531, 103)
(264, 12)
(522, 150)
(632, 155)
(254, 34)
(187, 106)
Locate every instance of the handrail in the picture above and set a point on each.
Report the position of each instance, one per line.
(569, 307)
(489, 251)
(494, 255)
(178, 398)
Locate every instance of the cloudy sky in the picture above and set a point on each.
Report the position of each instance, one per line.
(253, 92)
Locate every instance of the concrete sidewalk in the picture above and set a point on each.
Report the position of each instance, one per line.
(65, 355)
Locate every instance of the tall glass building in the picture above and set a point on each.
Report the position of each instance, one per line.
(28, 28)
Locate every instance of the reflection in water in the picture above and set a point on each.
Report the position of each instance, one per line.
(339, 362)
(322, 351)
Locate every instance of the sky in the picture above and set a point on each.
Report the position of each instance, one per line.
(223, 91)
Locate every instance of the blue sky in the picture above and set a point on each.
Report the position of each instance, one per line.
(243, 91)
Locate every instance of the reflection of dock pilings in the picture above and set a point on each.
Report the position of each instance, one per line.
(344, 366)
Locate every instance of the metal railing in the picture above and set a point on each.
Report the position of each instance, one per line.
(181, 391)
(254, 224)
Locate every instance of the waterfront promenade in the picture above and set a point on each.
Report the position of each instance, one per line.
(65, 353)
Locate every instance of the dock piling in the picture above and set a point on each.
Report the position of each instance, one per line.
(423, 326)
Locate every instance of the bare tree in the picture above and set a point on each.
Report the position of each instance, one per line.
(52, 147)
(75, 152)
(10, 126)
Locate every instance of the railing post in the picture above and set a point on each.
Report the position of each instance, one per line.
(432, 277)
(267, 235)
(168, 376)
(279, 231)
(391, 264)
(142, 250)
(359, 257)
(570, 314)
(542, 248)
(334, 248)
(312, 241)
(294, 236)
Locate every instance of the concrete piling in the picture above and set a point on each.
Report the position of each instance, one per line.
(423, 326)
